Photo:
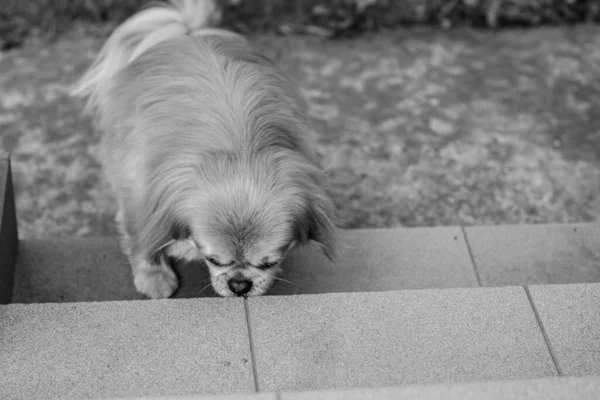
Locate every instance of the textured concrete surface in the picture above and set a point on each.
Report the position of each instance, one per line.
(580, 388)
(383, 259)
(570, 315)
(93, 269)
(316, 342)
(557, 388)
(119, 349)
(89, 269)
(417, 127)
(71, 270)
(9, 241)
(536, 254)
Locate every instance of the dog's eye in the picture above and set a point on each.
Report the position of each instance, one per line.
(268, 265)
(213, 261)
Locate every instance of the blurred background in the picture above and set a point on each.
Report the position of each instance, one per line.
(428, 112)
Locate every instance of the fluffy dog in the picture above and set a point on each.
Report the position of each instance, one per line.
(207, 147)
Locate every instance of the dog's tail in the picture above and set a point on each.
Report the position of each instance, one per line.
(140, 32)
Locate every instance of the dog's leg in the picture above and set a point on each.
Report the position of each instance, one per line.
(152, 278)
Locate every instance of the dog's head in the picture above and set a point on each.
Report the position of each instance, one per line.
(257, 211)
(248, 213)
(253, 212)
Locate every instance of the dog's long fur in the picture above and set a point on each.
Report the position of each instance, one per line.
(206, 145)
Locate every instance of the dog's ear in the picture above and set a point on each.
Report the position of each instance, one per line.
(177, 231)
(180, 231)
(159, 219)
(160, 234)
(321, 224)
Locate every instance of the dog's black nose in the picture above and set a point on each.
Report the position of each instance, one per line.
(239, 286)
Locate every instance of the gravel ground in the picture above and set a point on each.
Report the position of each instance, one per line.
(417, 127)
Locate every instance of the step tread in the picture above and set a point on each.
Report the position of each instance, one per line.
(119, 349)
(94, 269)
(392, 338)
(570, 315)
(571, 388)
(558, 388)
(309, 342)
(536, 254)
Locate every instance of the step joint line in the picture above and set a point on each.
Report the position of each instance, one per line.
(544, 333)
(475, 269)
(251, 342)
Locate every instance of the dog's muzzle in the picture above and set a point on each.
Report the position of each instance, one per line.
(239, 286)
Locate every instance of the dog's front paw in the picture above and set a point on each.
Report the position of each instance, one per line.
(158, 282)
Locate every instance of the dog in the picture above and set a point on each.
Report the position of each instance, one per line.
(207, 147)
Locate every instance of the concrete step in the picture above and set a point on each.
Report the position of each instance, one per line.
(559, 388)
(180, 347)
(94, 269)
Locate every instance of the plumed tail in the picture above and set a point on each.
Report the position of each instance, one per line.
(140, 32)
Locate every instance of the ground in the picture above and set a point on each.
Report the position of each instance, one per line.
(417, 127)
